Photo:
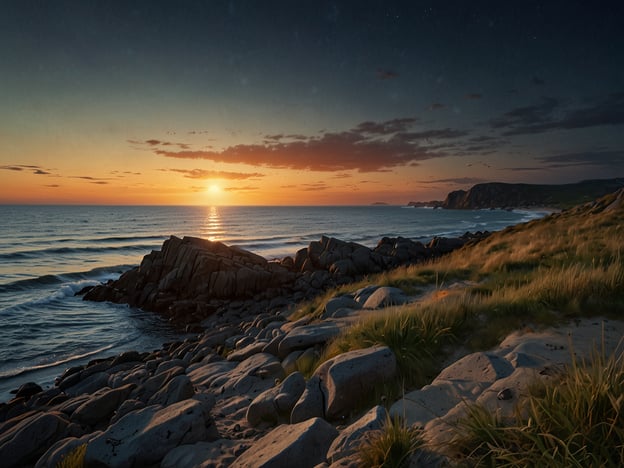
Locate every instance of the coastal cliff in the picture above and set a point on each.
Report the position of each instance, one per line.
(503, 195)
(441, 355)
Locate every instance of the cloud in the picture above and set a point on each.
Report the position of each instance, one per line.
(369, 147)
(474, 96)
(153, 143)
(247, 188)
(314, 187)
(37, 170)
(522, 117)
(548, 115)
(454, 180)
(386, 74)
(536, 80)
(342, 175)
(436, 106)
(609, 159)
(208, 174)
(52, 185)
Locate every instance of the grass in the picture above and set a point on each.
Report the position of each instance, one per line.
(74, 459)
(390, 447)
(416, 339)
(575, 420)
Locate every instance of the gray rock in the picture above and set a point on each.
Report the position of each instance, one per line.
(385, 297)
(55, 454)
(290, 391)
(340, 302)
(177, 389)
(251, 377)
(144, 437)
(89, 385)
(310, 404)
(347, 379)
(25, 442)
(301, 445)
(101, 406)
(350, 438)
(218, 454)
(306, 337)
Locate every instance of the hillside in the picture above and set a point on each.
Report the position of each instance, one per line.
(503, 195)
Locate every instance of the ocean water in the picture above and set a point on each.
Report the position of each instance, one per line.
(48, 253)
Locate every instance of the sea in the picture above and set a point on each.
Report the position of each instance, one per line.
(49, 253)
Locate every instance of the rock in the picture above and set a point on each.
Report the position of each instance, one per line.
(350, 438)
(385, 297)
(302, 445)
(289, 393)
(251, 377)
(310, 404)
(177, 389)
(347, 379)
(340, 302)
(100, 407)
(307, 336)
(217, 454)
(477, 367)
(25, 442)
(276, 403)
(90, 384)
(144, 437)
(57, 453)
(27, 390)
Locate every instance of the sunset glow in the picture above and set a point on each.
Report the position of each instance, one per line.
(242, 104)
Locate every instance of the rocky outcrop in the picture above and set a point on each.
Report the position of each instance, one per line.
(190, 279)
(502, 195)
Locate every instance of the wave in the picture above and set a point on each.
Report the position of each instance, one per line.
(24, 370)
(99, 274)
(30, 254)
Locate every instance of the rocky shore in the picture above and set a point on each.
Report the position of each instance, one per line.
(241, 392)
(191, 279)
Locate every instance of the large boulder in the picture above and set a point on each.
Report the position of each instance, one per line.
(302, 445)
(101, 406)
(144, 437)
(26, 441)
(350, 438)
(347, 379)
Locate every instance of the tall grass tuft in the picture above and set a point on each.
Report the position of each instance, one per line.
(575, 420)
(74, 459)
(416, 339)
(390, 447)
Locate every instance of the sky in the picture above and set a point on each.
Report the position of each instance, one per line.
(304, 103)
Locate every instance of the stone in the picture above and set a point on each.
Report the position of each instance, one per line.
(310, 404)
(27, 390)
(217, 454)
(101, 406)
(340, 302)
(88, 385)
(290, 390)
(144, 437)
(25, 442)
(477, 367)
(251, 377)
(302, 445)
(347, 379)
(350, 438)
(385, 297)
(177, 389)
(58, 451)
(306, 336)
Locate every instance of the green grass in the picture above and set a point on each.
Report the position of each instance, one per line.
(575, 420)
(417, 340)
(391, 446)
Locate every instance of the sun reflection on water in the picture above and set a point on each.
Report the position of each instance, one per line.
(213, 227)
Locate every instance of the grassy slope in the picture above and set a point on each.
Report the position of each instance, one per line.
(553, 269)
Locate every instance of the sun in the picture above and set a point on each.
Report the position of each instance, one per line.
(214, 189)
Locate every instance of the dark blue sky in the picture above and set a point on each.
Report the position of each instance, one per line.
(394, 98)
